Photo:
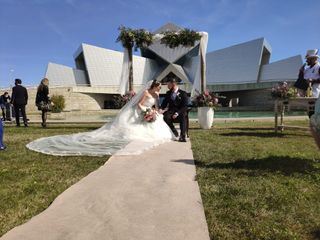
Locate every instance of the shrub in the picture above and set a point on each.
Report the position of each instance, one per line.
(58, 103)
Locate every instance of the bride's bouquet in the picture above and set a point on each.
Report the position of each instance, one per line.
(149, 115)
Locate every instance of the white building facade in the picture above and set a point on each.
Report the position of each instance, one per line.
(241, 71)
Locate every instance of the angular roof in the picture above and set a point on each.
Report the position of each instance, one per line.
(168, 27)
(240, 63)
(104, 66)
(170, 55)
(283, 70)
(60, 75)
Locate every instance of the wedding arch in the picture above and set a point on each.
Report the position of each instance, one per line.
(168, 45)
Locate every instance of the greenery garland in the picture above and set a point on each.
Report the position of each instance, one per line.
(134, 38)
(143, 39)
(185, 37)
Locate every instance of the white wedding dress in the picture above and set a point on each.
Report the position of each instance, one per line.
(127, 128)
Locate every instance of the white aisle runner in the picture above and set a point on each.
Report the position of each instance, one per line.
(144, 197)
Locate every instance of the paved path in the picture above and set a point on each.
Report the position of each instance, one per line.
(153, 196)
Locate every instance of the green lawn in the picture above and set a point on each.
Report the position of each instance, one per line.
(30, 181)
(256, 184)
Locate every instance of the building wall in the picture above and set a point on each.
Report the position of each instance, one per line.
(261, 99)
(104, 67)
(241, 71)
(74, 101)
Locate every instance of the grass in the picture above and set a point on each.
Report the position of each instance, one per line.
(256, 184)
(30, 181)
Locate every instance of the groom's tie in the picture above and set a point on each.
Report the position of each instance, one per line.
(173, 95)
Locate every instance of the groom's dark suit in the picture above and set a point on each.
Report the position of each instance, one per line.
(177, 103)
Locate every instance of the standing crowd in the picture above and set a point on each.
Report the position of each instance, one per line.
(16, 105)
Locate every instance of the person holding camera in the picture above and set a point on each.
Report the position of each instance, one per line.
(5, 105)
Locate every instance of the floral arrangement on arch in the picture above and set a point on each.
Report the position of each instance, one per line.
(282, 91)
(128, 96)
(121, 100)
(205, 99)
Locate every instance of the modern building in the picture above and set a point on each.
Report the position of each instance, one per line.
(243, 71)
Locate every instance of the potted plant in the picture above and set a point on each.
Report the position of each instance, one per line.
(206, 103)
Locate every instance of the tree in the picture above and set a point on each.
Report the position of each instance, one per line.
(126, 37)
(133, 38)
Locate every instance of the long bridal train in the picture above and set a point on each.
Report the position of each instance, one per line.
(127, 127)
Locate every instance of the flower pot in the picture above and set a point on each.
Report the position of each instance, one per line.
(205, 117)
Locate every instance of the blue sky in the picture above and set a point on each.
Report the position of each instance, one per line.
(35, 32)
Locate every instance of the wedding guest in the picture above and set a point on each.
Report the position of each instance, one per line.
(311, 72)
(43, 100)
(5, 104)
(19, 99)
(2, 146)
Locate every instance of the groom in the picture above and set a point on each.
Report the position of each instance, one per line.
(176, 100)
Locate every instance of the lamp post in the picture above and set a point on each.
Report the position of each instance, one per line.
(11, 74)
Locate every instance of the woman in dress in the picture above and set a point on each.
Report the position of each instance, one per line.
(43, 101)
(128, 126)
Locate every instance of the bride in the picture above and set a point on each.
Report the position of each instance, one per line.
(138, 121)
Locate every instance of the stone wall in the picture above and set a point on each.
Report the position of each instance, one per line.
(261, 99)
(74, 101)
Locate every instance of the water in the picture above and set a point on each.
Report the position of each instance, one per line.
(248, 114)
(242, 114)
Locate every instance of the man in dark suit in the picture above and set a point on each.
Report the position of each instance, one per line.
(176, 101)
(19, 99)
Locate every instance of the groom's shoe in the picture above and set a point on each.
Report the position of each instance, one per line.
(175, 133)
(182, 139)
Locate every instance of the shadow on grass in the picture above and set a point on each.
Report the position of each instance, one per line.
(252, 128)
(264, 134)
(253, 134)
(186, 161)
(280, 164)
(316, 234)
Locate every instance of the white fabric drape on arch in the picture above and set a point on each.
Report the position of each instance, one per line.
(124, 78)
(203, 51)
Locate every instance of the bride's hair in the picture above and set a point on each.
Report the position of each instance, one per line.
(154, 84)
